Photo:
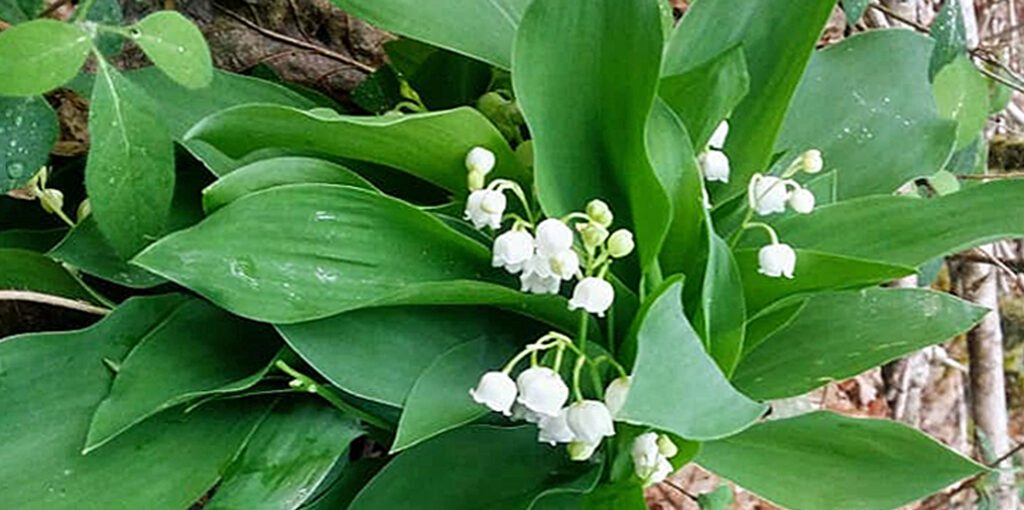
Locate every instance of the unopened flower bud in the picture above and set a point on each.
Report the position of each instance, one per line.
(717, 140)
(580, 451)
(802, 201)
(84, 209)
(666, 447)
(52, 200)
(811, 161)
(481, 160)
(777, 260)
(621, 244)
(475, 180)
(593, 234)
(599, 212)
(497, 391)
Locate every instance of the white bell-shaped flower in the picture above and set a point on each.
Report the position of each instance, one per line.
(495, 390)
(523, 413)
(512, 249)
(580, 450)
(802, 201)
(485, 207)
(481, 160)
(564, 264)
(593, 295)
(590, 421)
(768, 194)
(717, 140)
(715, 165)
(542, 390)
(555, 429)
(661, 471)
(777, 259)
(812, 161)
(553, 237)
(615, 394)
(645, 454)
(538, 278)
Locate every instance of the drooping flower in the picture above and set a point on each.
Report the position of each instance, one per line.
(811, 161)
(553, 237)
(523, 413)
(768, 194)
(715, 165)
(542, 390)
(555, 429)
(538, 278)
(802, 201)
(776, 260)
(590, 421)
(662, 470)
(485, 207)
(495, 390)
(645, 454)
(481, 160)
(621, 243)
(717, 140)
(615, 394)
(512, 249)
(564, 264)
(592, 294)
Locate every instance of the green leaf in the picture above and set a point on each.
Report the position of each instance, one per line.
(823, 460)
(431, 146)
(379, 353)
(815, 271)
(29, 271)
(448, 80)
(961, 93)
(176, 46)
(380, 92)
(86, 249)
(484, 30)
(471, 467)
(439, 401)
(273, 172)
(40, 55)
(174, 364)
(671, 364)
(130, 200)
(840, 334)
(107, 12)
(620, 496)
(28, 130)
(19, 11)
(950, 34)
(290, 453)
(588, 123)
(32, 240)
(723, 309)
(343, 488)
(718, 499)
(911, 231)
(854, 10)
(777, 39)
(52, 383)
(708, 93)
(881, 131)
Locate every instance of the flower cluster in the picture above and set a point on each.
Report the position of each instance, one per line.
(545, 254)
(651, 453)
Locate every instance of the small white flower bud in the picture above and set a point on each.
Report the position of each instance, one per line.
(580, 451)
(811, 161)
(512, 249)
(481, 160)
(621, 243)
(593, 295)
(802, 201)
(84, 209)
(615, 394)
(52, 200)
(565, 264)
(542, 390)
(777, 260)
(484, 208)
(600, 213)
(645, 454)
(495, 390)
(715, 165)
(590, 421)
(592, 233)
(767, 194)
(475, 181)
(555, 429)
(666, 447)
(553, 237)
(717, 140)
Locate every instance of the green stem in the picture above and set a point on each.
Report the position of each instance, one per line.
(82, 10)
(610, 323)
(581, 335)
(309, 385)
(576, 369)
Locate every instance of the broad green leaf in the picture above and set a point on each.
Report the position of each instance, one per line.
(19, 11)
(620, 496)
(723, 309)
(53, 381)
(588, 123)
(40, 55)
(950, 34)
(823, 460)
(911, 231)
(815, 271)
(196, 351)
(129, 173)
(107, 12)
(719, 499)
(343, 488)
(176, 46)
(380, 92)
(470, 468)
(32, 240)
(28, 130)
(29, 271)
(708, 93)
(431, 146)
(860, 103)
(672, 365)
(840, 334)
(439, 401)
(484, 29)
(273, 172)
(86, 249)
(289, 455)
(854, 10)
(777, 39)
(961, 93)
(448, 80)
(378, 353)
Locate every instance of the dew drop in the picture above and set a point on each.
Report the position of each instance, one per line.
(18, 121)
(15, 169)
(181, 49)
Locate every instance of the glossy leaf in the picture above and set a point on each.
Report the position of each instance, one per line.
(911, 231)
(40, 55)
(289, 455)
(85, 248)
(588, 124)
(823, 460)
(841, 334)
(860, 103)
(197, 350)
(484, 30)
(379, 353)
(273, 172)
(30, 271)
(463, 465)
(439, 401)
(961, 93)
(723, 309)
(344, 487)
(176, 46)
(449, 80)
(671, 364)
(620, 496)
(28, 130)
(707, 94)
(950, 34)
(19, 11)
(129, 173)
(107, 12)
(166, 463)
(431, 146)
(854, 10)
(32, 240)
(777, 39)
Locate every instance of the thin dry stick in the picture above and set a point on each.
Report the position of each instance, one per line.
(298, 42)
(1003, 267)
(681, 490)
(47, 299)
(53, 7)
(985, 177)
